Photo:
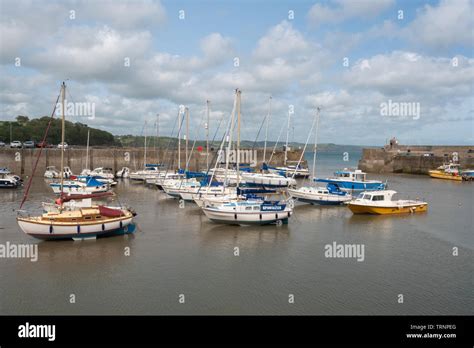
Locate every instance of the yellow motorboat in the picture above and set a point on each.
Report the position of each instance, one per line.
(439, 174)
(449, 171)
(381, 203)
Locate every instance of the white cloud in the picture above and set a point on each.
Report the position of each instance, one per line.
(448, 24)
(341, 10)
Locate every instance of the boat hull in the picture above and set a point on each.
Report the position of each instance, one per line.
(244, 219)
(319, 199)
(437, 174)
(390, 210)
(46, 231)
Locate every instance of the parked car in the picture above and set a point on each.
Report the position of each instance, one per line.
(2, 144)
(16, 144)
(62, 145)
(43, 144)
(29, 144)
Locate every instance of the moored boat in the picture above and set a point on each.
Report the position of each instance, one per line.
(82, 223)
(249, 212)
(8, 180)
(349, 180)
(90, 185)
(450, 171)
(382, 203)
(52, 173)
(330, 195)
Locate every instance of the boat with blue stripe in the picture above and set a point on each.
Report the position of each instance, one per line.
(353, 180)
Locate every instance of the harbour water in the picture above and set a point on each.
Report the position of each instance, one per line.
(179, 251)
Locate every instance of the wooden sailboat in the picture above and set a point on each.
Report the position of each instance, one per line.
(85, 222)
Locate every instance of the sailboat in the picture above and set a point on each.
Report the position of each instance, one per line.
(150, 170)
(268, 179)
(249, 211)
(294, 171)
(329, 195)
(77, 223)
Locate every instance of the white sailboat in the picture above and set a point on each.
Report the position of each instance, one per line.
(330, 195)
(294, 171)
(245, 212)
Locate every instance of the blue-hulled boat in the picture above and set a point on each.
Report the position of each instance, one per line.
(348, 180)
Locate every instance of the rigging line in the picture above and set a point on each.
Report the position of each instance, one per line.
(305, 145)
(217, 154)
(198, 131)
(258, 133)
(30, 180)
(315, 145)
(171, 138)
(276, 144)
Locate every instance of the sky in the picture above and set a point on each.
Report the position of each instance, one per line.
(135, 59)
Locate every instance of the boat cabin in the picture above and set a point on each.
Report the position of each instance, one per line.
(385, 195)
(357, 175)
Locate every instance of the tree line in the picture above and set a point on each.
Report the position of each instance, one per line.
(24, 129)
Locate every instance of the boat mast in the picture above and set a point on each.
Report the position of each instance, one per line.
(87, 149)
(63, 97)
(187, 137)
(287, 135)
(144, 154)
(229, 137)
(157, 138)
(315, 143)
(266, 128)
(179, 139)
(238, 136)
(207, 134)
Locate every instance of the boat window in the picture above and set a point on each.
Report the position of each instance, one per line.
(325, 192)
(368, 197)
(98, 217)
(378, 198)
(88, 217)
(248, 208)
(256, 207)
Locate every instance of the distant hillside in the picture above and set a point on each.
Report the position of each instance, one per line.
(163, 142)
(24, 129)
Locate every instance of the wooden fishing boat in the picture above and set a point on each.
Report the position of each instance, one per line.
(82, 223)
(382, 203)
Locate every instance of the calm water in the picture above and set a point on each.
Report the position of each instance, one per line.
(178, 251)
